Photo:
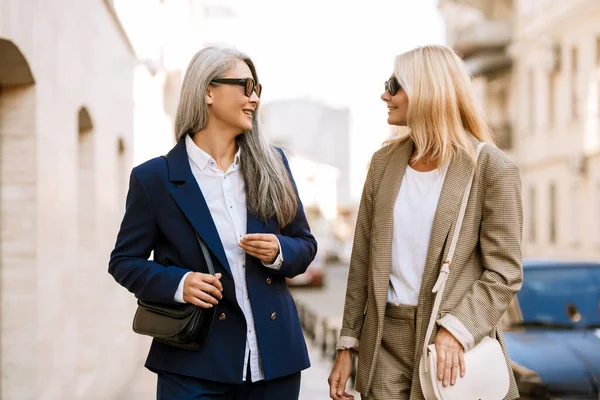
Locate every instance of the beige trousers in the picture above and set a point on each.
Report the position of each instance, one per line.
(394, 367)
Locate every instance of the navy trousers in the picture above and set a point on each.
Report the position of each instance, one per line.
(179, 387)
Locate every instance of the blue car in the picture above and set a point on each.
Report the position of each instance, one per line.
(553, 331)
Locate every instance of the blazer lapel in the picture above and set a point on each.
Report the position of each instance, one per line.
(383, 222)
(189, 198)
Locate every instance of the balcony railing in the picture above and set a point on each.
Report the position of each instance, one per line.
(483, 5)
(483, 36)
(488, 63)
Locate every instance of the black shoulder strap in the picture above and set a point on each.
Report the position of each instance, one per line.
(209, 263)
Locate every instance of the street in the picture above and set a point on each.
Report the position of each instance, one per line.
(328, 301)
(327, 304)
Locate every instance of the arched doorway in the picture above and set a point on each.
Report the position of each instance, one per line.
(87, 353)
(18, 219)
(122, 169)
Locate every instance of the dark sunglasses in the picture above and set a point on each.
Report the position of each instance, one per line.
(392, 86)
(248, 84)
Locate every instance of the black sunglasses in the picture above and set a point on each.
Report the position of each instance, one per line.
(248, 84)
(392, 86)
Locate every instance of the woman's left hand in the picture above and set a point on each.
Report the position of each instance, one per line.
(450, 357)
(263, 246)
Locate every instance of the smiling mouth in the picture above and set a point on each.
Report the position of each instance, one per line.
(248, 112)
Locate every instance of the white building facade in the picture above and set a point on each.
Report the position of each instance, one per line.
(548, 98)
(557, 61)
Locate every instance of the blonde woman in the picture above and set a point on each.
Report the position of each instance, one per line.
(223, 182)
(408, 212)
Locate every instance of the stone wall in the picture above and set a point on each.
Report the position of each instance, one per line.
(64, 323)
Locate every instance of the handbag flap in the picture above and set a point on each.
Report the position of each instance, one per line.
(486, 375)
(169, 310)
(148, 322)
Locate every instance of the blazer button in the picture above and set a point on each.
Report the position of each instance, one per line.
(269, 280)
(222, 316)
(273, 316)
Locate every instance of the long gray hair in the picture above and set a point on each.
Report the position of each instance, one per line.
(269, 189)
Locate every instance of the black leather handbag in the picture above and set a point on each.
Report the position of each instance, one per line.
(185, 326)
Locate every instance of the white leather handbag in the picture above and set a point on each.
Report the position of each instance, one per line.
(486, 376)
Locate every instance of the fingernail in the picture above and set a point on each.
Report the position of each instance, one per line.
(445, 383)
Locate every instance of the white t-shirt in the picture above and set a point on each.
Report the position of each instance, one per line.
(414, 211)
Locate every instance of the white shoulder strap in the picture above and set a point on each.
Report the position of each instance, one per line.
(441, 282)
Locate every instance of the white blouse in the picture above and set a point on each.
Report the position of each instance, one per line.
(414, 211)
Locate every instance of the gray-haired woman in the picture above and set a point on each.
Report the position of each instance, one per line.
(224, 182)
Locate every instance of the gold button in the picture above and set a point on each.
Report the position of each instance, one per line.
(222, 316)
(269, 280)
(273, 316)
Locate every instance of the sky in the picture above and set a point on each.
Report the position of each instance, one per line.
(327, 50)
(335, 52)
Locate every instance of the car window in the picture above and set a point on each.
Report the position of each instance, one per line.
(561, 295)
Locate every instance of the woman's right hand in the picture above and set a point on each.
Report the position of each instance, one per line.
(202, 290)
(342, 368)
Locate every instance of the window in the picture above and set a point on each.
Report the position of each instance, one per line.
(122, 171)
(531, 97)
(550, 291)
(575, 217)
(598, 73)
(552, 82)
(552, 212)
(597, 210)
(574, 88)
(532, 218)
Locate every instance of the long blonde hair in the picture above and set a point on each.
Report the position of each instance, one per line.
(442, 106)
(269, 189)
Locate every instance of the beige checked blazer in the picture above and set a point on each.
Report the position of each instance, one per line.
(486, 270)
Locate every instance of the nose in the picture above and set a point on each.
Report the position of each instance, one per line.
(385, 96)
(254, 98)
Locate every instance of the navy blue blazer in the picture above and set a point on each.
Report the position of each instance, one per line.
(164, 207)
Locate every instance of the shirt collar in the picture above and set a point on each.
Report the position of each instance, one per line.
(201, 158)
